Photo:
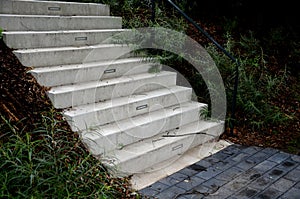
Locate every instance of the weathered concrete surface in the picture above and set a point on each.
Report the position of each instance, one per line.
(43, 57)
(48, 23)
(75, 73)
(63, 38)
(96, 91)
(127, 107)
(142, 181)
(106, 138)
(29, 7)
(143, 155)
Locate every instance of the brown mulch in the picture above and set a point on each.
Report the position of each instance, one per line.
(22, 99)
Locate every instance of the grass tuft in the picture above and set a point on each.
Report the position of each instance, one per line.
(50, 162)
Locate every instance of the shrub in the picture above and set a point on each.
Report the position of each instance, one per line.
(50, 162)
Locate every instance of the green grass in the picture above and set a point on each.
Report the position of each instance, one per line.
(50, 162)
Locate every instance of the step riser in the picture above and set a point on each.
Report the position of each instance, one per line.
(128, 110)
(110, 142)
(52, 8)
(174, 149)
(48, 23)
(92, 73)
(66, 56)
(97, 94)
(56, 39)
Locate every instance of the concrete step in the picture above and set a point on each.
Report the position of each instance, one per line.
(101, 113)
(102, 140)
(129, 115)
(29, 7)
(140, 156)
(10, 22)
(70, 74)
(164, 169)
(96, 91)
(63, 38)
(43, 57)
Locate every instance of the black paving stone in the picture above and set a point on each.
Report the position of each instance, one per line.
(189, 172)
(170, 193)
(149, 192)
(251, 150)
(188, 184)
(293, 193)
(246, 193)
(293, 175)
(209, 173)
(158, 186)
(213, 183)
(265, 166)
(269, 193)
(236, 172)
(229, 174)
(279, 157)
(173, 179)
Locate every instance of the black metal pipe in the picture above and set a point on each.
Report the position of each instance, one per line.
(201, 30)
(236, 80)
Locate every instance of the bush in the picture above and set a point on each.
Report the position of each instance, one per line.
(50, 162)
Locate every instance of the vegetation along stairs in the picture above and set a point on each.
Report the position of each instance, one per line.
(129, 117)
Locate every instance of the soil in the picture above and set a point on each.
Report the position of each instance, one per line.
(22, 99)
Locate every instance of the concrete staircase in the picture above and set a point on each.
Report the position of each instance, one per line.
(129, 117)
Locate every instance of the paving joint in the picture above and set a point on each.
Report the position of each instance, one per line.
(234, 172)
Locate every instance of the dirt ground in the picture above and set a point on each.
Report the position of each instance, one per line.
(22, 99)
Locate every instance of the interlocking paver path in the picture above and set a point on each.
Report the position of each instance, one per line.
(236, 172)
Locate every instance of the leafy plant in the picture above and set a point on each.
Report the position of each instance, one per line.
(258, 86)
(51, 162)
(154, 69)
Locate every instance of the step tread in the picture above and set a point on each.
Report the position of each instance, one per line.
(53, 56)
(59, 2)
(61, 38)
(87, 65)
(14, 22)
(68, 48)
(88, 108)
(53, 7)
(60, 16)
(63, 31)
(51, 76)
(151, 144)
(140, 120)
(107, 82)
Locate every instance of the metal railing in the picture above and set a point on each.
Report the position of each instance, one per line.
(232, 118)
